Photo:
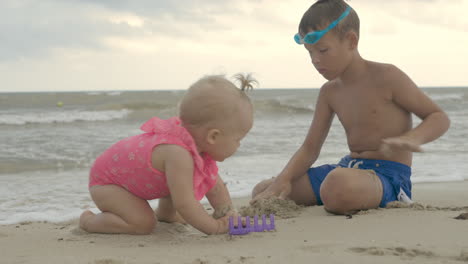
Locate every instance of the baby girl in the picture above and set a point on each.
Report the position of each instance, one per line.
(174, 160)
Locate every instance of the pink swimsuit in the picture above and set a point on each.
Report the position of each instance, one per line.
(127, 163)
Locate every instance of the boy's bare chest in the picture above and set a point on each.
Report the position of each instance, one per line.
(368, 115)
(357, 107)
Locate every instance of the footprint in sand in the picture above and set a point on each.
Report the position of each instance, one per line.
(463, 256)
(108, 261)
(407, 253)
(463, 216)
(200, 261)
(396, 251)
(422, 207)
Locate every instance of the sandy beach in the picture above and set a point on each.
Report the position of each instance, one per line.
(428, 233)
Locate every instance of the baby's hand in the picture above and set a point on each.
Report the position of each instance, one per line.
(222, 215)
(390, 145)
(223, 211)
(223, 223)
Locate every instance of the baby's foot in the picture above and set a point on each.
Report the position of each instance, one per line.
(169, 217)
(84, 219)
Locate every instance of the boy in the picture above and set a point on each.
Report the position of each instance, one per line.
(374, 103)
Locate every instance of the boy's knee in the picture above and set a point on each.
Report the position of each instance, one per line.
(335, 193)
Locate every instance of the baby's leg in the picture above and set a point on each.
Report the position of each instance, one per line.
(347, 190)
(166, 211)
(122, 212)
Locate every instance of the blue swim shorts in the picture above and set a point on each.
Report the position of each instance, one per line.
(395, 177)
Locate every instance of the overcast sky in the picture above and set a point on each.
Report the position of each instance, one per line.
(63, 45)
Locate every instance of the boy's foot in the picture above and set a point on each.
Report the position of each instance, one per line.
(84, 218)
(169, 217)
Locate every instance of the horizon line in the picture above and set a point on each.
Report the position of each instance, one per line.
(170, 90)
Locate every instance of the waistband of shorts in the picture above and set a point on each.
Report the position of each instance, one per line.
(348, 162)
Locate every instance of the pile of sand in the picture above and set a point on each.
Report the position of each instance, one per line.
(279, 207)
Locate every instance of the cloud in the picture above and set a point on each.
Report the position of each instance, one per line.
(116, 44)
(441, 13)
(35, 28)
(183, 9)
(32, 28)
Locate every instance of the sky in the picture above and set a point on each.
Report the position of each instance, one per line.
(86, 45)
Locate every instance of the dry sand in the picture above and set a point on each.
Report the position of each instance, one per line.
(423, 233)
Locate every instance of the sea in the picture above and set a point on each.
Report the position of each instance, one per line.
(49, 140)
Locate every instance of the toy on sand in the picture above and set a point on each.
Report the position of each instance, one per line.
(242, 230)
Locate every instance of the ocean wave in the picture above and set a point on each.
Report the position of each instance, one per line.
(447, 97)
(114, 93)
(66, 116)
(25, 165)
(110, 93)
(294, 106)
(136, 106)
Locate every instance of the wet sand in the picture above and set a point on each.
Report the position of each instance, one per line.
(427, 232)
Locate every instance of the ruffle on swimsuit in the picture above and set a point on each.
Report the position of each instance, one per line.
(170, 131)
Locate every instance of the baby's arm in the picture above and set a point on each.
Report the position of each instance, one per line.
(220, 199)
(178, 166)
(434, 121)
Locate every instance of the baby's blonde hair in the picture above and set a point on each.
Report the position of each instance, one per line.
(209, 100)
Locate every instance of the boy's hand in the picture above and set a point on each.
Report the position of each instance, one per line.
(280, 189)
(393, 144)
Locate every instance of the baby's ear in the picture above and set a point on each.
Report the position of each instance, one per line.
(212, 135)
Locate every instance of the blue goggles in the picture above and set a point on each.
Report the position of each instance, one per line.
(313, 37)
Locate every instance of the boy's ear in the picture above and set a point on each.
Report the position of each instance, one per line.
(353, 39)
(212, 136)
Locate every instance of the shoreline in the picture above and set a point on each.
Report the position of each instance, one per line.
(409, 235)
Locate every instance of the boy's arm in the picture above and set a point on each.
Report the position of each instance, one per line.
(435, 122)
(179, 173)
(309, 151)
(220, 199)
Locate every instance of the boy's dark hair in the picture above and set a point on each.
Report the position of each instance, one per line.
(323, 12)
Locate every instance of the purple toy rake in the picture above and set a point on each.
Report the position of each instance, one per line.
(242, 230)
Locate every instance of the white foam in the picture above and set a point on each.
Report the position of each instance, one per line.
(94, 93)
(48, 216)
(294, 103)
(65, 116)
(445, 96)
(114, 93)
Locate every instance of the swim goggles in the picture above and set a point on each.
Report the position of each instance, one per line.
(313, 37)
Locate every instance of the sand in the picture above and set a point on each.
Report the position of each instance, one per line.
(279, 207)
(426, 232)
